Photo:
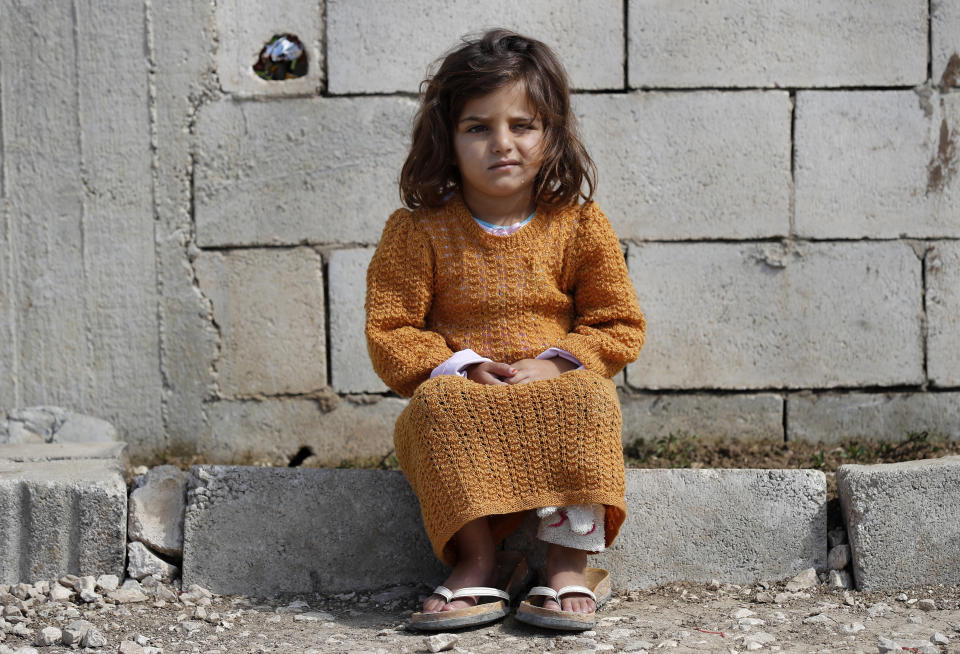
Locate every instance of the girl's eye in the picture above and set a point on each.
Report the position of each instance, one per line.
(475, 129)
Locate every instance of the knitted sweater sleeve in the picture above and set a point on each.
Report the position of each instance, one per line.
(399, 295)
(609, 329)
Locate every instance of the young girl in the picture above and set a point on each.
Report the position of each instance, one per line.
(502, 307)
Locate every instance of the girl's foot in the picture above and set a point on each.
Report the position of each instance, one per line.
(567, 567)
(476, 571)
(476, 564)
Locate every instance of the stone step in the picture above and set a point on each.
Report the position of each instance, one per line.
(261, 531)
(903, 522)
(63, 509)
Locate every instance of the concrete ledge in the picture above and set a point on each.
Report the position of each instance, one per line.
(261, 531)
(903, 521)
(270, 530)
(61, 514)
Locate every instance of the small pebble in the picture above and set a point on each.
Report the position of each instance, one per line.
(441, 642)
(927, 605)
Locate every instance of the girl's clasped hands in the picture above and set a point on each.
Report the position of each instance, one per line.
(519, 372)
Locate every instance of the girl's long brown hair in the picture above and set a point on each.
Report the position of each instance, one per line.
(481, 66)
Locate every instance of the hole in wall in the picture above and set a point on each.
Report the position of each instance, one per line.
(302, 454)
(282, 57)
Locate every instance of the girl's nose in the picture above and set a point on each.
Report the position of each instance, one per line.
(501, 141)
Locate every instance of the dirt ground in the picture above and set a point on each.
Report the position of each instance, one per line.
(677, 618)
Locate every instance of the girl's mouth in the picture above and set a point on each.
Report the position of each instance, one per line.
(500, 165)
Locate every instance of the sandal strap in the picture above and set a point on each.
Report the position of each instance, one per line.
(472, 591)
(480, 591)
(569, 590)
(443, 592)
(546, 591)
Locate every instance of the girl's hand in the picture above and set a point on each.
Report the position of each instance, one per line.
(529, 370)
(490, 372)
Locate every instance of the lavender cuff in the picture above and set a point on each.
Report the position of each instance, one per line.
(563, 354)
(455, 365)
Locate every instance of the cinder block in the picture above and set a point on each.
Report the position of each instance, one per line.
(376, 47)
(832, 417)
(763, 315)
(268, 304)
(781, 43)
(273, 430)
(60, 516)
(691, 165)
(943, 305)
(319, 170)
(351, 370)
(903, 520)
(738, 417)
(246, 26)
(737, 526)
(877, 164)
(945, 33)
(329, 531)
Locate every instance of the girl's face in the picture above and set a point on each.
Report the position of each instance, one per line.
(499, 146)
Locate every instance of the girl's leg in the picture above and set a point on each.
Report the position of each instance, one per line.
(476, 561)
(567, 567)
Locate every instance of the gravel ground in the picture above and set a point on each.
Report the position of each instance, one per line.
(677, 618)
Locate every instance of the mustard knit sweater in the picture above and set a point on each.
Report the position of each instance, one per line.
(438, 283)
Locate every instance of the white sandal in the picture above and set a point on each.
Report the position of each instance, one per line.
(513, 570)
(538, 616)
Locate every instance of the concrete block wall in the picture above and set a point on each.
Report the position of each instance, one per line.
(183, 244)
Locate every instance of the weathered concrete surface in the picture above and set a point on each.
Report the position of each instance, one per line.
(691, 165)
(79, 216)
(376, 47)
(741, 417)
(273, 430)
(267, 530)
(771, 315)
(778, 43)
(326, 173)
(737, 526)
(156, 508)
(903, 520)
(351, 370)
(833, 417)
(61, 516)
(183, 78)
(945, 42)
(877, 164)
(733, 525)
(35, 453)
(269, 307)
(246, 26)
(943, 305)
(52, 424)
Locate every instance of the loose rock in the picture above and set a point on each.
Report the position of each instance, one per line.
(885, 645)
(48, 636)
(156, 510)
(939, 639)
(129, 647)
(93, 638)
(108, 583)
(839, 557)
(59, 593)
(141, 563)
(927, 605)
(804, 580)
(75, 631)
(840, 580)
(441, 642)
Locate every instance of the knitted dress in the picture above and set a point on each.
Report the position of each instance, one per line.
(437, 284)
